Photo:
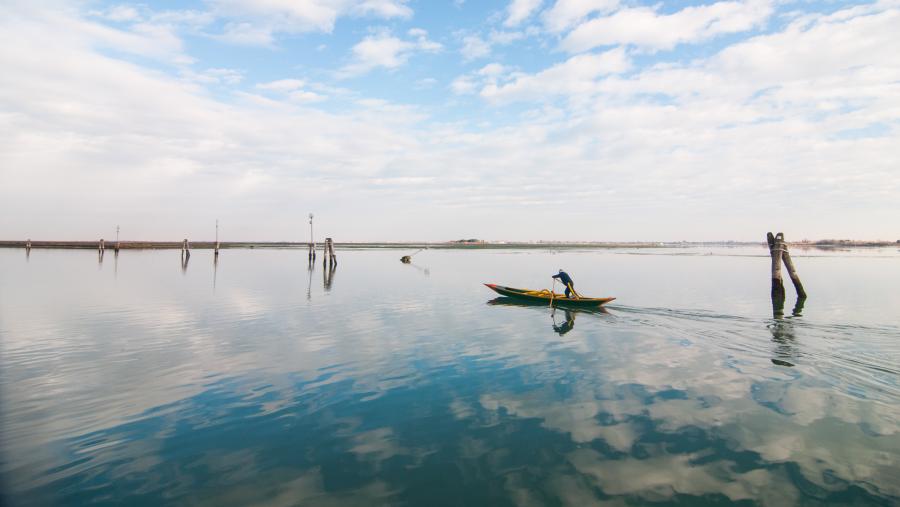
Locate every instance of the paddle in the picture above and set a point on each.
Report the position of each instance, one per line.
(552, 291)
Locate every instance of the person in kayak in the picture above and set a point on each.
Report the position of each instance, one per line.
(567, 281)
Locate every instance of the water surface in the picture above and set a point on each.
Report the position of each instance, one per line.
(140, 381)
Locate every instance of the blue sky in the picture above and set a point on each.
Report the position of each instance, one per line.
(409, 120)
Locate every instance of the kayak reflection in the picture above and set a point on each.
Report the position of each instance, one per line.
(560, 325)
(566, 326)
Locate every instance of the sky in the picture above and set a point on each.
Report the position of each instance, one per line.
(406, 120)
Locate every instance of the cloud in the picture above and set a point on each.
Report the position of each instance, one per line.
(576, 75)
(644, 27)
(475, 46)
(383, 49)
(464, 85)
(282, 85)
(566, 13)
(120, 13)
(257, 23)
(293, 89)
(214, 76)
(519, 10)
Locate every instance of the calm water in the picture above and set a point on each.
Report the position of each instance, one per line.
(133, 381)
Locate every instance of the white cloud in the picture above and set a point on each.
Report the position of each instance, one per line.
(214, 76)
(463, 85)
(566, 13)
(475, 46)
(282, 85)
(120, 13)
(383, 8)
(646, 28)
(492, 70)
(520, 10)
(383, 49)
(256, 23)
(577, 75)
(293, 89)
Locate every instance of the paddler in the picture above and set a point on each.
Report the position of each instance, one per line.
(566, 281)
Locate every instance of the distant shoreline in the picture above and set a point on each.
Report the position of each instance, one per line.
(452, 245)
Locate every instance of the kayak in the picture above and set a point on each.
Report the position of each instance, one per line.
(527, 303)
(546, 296)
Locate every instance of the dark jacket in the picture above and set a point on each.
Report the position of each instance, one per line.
(565, 278)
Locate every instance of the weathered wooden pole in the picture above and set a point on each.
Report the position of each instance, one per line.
(312, 242)
(216, 251)
(101, 246)
(776, 244)
(117, 240)
(185, 248)
(792, 272)
(28, 245)
(333, 255)
(328, 253)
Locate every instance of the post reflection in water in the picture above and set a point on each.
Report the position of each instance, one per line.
(309, 271)
(783, 334)
(328, 275)
(185, 258)
(423, 270)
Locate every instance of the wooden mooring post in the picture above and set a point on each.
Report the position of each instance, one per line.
(28, 244)
(779, 251)
(312, 241)
(101, 246)
(216, 251)
(185, 255)
(328, 253)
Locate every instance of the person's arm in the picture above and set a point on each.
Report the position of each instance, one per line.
(555, 276)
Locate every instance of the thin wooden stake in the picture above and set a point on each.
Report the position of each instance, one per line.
(776, 244)
(792, 272)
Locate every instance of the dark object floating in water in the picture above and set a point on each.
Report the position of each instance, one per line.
(546, 296)
(406, 259)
